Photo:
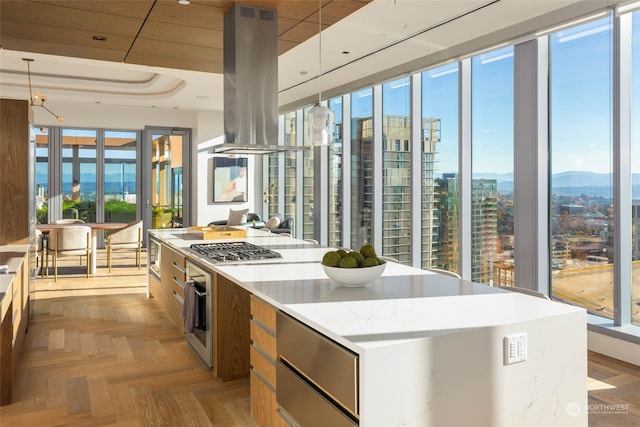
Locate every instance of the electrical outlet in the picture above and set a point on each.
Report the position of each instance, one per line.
(515, 348)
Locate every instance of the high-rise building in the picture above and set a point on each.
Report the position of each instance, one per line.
(448, 223)
(484, 203)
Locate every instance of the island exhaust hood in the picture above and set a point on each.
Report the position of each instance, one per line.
(251, 82)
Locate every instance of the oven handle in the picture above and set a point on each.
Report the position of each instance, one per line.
(200, 294)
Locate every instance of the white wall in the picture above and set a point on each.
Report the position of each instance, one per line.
(114, 117)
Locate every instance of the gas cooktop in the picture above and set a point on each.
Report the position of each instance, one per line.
(233, 251)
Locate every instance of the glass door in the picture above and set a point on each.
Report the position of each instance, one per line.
(79, 184)
(164, 190)
(120, 176)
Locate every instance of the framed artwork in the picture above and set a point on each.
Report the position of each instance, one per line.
(229, 179)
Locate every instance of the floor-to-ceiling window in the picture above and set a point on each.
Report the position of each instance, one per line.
(580, 171)
(42, 175)
(361, 167)
(270, 190)
(580, 129)
(79, 183)
(335, 175)
(308, 200)
(396, 170)
(439, 158)
(166, 179)
(635, 168)
(290, 166)
(492, 167)
(120, 176)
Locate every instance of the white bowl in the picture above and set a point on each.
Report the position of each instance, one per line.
(354, 276)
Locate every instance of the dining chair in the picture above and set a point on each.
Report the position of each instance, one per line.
(68, 221)
(40, 252)
(127, 238)
(73, 240)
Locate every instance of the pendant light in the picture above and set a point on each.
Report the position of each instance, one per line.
(320, 118)
(37, 99)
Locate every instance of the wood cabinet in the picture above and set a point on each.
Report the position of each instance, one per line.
(172, 278)
(264, 408)
(231, 329)
(13, 314)
(16, 173)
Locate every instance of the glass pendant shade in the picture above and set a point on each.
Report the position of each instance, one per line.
(320, 125)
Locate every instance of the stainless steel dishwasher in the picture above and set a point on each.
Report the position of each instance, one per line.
(317, 379)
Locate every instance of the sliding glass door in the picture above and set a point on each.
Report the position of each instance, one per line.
(164, 195)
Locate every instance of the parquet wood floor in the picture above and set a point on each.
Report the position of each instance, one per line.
(99, 353)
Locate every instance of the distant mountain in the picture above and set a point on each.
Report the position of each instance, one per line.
(500, 177)
(572, 183)
(581, 179)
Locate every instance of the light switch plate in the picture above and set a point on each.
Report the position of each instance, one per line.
(515, 348)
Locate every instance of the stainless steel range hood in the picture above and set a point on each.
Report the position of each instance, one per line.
(251, 82)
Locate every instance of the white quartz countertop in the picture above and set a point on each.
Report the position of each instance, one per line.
(405, 303)
(13, 257)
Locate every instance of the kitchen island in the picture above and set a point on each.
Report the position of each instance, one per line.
(419, 349)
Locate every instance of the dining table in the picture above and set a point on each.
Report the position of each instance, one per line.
(95, 226)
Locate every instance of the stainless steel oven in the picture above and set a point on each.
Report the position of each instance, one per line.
(199, 312)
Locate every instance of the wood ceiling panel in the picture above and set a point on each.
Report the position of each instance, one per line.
(336, 10)
(64, 17)
(285, 24)
(173, 50)
(298, 10)
(161, 31)
(210, 64)
(195, 15)
(301, 32)
(285, 45)
(136, 9)
(52, 48)
(173, 36)
(64, 36)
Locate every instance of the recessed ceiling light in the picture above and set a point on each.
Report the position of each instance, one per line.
(184, 2)
(99, 38)
(345, 52)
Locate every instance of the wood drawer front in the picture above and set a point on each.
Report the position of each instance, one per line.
(264, 366)
(177, 288)
(179, 272)
(178, 262)
(263, 313)
(174, 310)
(264, 407)
(263, 339)
(154, 288)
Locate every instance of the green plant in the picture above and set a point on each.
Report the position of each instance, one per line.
(42, 214)
(119, 206)
(157, 210)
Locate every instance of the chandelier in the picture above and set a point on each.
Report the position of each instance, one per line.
(37, 99)
(320, 117)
